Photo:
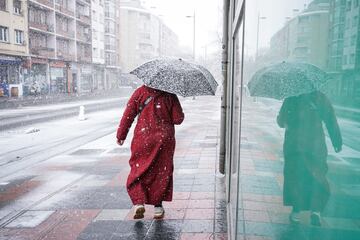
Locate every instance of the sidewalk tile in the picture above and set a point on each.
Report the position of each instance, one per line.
(74, 223)
(176, 204)
(112, 214)
(196, 236)
(99, 230)
(264, 229)
(119, 179)
(256, 216)
(199, 226)
(202, 188)
(279, 217)
(181, 195)
(202, 195)
(194, 213)
(201, 203)
(341, 223)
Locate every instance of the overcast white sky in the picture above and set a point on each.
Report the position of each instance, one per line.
(209, 17)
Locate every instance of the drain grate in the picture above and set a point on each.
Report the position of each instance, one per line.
(87, 151)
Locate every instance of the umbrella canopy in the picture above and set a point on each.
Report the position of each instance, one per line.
(287, 79)
(177, 76)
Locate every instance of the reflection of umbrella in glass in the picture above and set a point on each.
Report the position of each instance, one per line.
(177, 76)
(287, 79)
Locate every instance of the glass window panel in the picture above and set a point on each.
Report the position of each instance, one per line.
(299, 154)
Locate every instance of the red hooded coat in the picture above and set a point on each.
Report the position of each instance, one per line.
(152, 149)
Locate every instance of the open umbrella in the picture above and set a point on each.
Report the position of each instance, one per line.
(177, 76)
(287, 79)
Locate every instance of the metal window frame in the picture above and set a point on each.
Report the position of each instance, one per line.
(236, 19)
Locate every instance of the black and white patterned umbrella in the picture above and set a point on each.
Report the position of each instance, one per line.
(287, 79)
(177, 76)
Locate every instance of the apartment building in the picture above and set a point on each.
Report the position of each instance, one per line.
(98, 43)
(344, 47)
(143, 36)
(112, 69)
(14, 48)
(304, 37)
(60, 45)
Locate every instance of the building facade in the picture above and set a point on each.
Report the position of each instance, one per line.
(304, 37)
(98, 44)
(143, 36)
(344, 47)
(112, 70)
(14, 48)
(60, 46)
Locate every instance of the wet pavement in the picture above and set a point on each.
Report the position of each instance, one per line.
(81, 194)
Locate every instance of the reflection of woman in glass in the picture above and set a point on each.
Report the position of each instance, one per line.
(305, 152)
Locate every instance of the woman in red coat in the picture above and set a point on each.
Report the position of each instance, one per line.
(152, 148)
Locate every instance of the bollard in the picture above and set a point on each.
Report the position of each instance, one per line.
(82, 113)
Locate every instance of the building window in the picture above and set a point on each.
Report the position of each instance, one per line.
(344, 60)
(94, 15)
(356, 3)
(355, 21)
(348, 6)
(353, 40)
(3, 5)
(4, 34)
(19, 37)
(17, 7)
(304, 19)
(352, 58)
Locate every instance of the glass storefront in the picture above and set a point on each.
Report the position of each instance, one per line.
(292, 151)
(57, 80)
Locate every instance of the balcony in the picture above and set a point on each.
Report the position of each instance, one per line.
(66, 34)
(48, 3)
(64, 10)
(83, 18)
(110, 47)
(86, 38)
(43, 52)
(42, 27)
(65, 55)
(83, 58)
(85, 1)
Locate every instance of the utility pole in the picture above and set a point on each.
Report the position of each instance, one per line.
(194, 29)
(257, 34)
(194, 22)
(224, 66)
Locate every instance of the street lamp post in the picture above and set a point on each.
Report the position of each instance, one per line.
(194, 28)
(257, 35)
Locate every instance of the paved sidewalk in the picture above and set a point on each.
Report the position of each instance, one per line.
(82, 194)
